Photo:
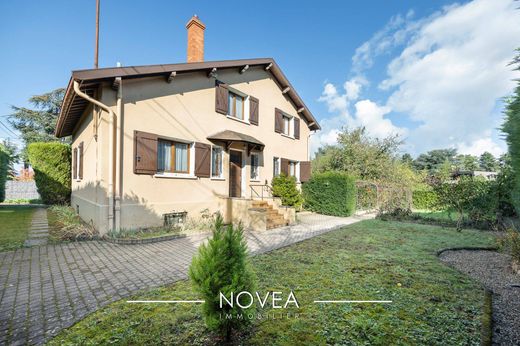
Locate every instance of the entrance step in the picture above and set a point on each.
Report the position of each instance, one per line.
(274, 218)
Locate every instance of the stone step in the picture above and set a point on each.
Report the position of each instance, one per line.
(42, 231)
(38, 235)
(256, 204)
(275, 225)
(278, 218)
(35, 242)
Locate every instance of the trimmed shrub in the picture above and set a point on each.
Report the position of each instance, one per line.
(425, 199)
(221, 266)
(285, 188)
(330, 193)
(51, 164)
(4, 168)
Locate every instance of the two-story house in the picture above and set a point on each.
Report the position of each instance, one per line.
(151, 140)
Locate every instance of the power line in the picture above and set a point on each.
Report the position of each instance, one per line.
(9, 130)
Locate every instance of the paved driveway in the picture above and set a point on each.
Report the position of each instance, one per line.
(47, 288)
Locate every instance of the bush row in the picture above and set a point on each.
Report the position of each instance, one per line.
(51, 164)
(330, 193)
(424, 199)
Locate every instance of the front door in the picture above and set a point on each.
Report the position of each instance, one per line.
(235, 173)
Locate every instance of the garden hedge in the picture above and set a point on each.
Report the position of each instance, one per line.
(4, 168)
(424, 199)
(51, 164)
(330, 193)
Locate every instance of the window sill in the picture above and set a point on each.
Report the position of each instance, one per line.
(255, 180)
(218, 178)
(287, 136)
(175, 176)
(239, 120)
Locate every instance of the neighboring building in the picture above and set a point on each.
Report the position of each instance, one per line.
(485, 174)
(151, 140)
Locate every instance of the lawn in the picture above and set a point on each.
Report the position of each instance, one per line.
(15, 221)
(372, 260)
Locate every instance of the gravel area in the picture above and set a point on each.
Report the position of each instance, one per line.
(493, 270)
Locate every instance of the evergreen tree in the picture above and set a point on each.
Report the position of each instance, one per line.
(407, 159)
(221, 266)
(511, 128)
(488, 162)
(37, 124)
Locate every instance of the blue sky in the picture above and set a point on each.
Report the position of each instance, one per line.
(392, 66)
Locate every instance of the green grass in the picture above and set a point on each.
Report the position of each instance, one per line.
(372, 260)
(15, 223)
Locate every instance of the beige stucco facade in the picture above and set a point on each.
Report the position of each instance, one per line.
(181, 110)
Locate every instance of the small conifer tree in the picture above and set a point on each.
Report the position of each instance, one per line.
(221, 266)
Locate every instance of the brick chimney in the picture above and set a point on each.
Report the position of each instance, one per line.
(195, 39)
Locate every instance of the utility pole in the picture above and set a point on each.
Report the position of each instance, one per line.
(96, 51)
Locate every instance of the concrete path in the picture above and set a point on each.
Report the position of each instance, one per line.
(39, 232)
(44, 289)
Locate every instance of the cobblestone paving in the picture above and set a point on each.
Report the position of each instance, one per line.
(44, 289)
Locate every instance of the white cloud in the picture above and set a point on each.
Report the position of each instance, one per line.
(451, 74)
(479, 146)
(371, 116)
(448, 77)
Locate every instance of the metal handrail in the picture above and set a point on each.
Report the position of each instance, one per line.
(264, 187)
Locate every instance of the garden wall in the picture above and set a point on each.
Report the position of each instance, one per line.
(21, 190)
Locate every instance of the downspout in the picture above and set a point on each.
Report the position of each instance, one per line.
(118, 185)
(110, 151)
(309, 144)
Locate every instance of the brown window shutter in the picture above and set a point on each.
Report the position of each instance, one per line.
(284, 166)
(296, 128)
(278, 121)
(74, 163)
(202, 160)
(145, 153)
(221, 97)
(80, 170)
(253, 110)
(305, 171)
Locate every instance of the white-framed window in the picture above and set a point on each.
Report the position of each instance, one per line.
(217, 158)
(236, 105)
(173, 157)
(287, 125)
(255, 167)
(292, 168)
(276, 166)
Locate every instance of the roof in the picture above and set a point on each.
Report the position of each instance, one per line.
(73, 106)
